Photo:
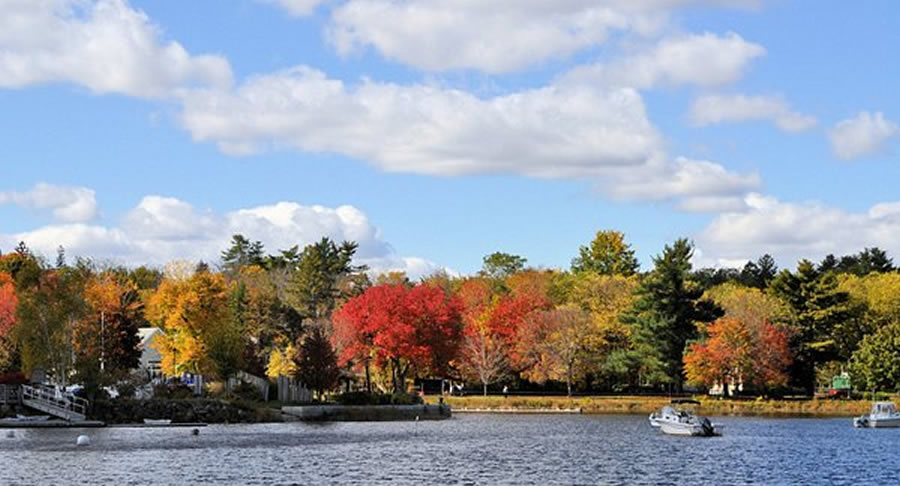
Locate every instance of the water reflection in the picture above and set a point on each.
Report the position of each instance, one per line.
(470, 449)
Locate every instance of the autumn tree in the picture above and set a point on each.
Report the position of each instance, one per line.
(105, 338)
(485, 347)
(316, 362)
(195, 317)
(403, 329)
(664, 316)
(8, 303)
(736, 351)
(559, 341)
(607, 254)
(606, 298)
(46, 316)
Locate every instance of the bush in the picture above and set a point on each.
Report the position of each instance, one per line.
(365, 398)
(173, 391)
(13, 378)
(246, 392)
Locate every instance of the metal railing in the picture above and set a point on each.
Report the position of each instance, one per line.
(55, 402)
(10, 394)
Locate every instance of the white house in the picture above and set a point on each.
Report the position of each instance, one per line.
(150, 357)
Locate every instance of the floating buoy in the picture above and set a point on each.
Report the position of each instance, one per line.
(83, 440)
(195, 431)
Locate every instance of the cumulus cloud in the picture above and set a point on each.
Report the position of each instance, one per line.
(67, 203)
(701, 59)
(698, 182)
(558, 131)
(713, 109)
(546, 132)
(297, 8)
(790, 231)
(105, 46)
(866, 134)
(163, 229)
(491, 36)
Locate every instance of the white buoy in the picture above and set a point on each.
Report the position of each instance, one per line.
(83, 440)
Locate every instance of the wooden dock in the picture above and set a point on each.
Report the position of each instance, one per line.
(50, 424)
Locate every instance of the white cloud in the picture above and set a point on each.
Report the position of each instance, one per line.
(712, 109)
(163, 229)
(103, 45)
(867, 134)
(297, 8)
(547, 132)
(69, 204)
(570, 131)
(790, 231)
(491, 36)
(699, 182)
(701, 59)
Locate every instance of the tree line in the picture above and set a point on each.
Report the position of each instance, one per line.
(601, 325)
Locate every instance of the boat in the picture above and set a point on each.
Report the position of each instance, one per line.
(27, 418)
(157, 421)
(882, 415)
(674, 420)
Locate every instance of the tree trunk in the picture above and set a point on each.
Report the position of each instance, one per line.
(725, 387)
(485, 388)
(368, 378)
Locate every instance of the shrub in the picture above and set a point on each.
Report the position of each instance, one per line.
(364, 398)
(13, 378)
(173, 391)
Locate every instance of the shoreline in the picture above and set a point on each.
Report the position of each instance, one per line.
(639, 405)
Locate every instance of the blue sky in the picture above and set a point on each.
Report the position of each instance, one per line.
(437, 131)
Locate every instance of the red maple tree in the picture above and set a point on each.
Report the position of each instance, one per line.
(400, 328)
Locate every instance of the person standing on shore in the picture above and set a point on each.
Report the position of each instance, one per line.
(505, 391)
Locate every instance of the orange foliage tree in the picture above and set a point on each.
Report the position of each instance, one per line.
(8, 303)
(735, 352)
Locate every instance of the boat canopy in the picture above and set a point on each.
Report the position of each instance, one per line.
(884, 408)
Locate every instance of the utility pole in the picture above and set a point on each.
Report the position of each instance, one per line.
(102, 341)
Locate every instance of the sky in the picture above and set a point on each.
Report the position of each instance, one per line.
(435, 132)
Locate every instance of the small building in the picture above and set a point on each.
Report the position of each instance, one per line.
(151, 360)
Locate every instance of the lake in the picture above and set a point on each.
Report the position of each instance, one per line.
(469, 449)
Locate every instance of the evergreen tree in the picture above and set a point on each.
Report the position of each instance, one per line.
(315, 286)
(822, 318)
(500, 265)
(242, 253)
(664, 315)
(316, 361)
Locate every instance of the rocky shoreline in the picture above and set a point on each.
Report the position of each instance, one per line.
(209, 411)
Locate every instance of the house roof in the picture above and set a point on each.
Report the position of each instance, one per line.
(146, 334)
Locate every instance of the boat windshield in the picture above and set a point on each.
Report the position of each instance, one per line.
(884, 408)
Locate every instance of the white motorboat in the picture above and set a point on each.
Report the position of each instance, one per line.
(157, 421)
(666, 413)
(882, 415)
(682, 421)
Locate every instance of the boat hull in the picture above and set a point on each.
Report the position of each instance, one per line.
(689, 430)
(877, 423)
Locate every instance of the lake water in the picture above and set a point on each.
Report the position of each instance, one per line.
(469, 449)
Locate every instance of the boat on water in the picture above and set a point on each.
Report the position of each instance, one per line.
(675, 420)
(882, 415)
(157, 421)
